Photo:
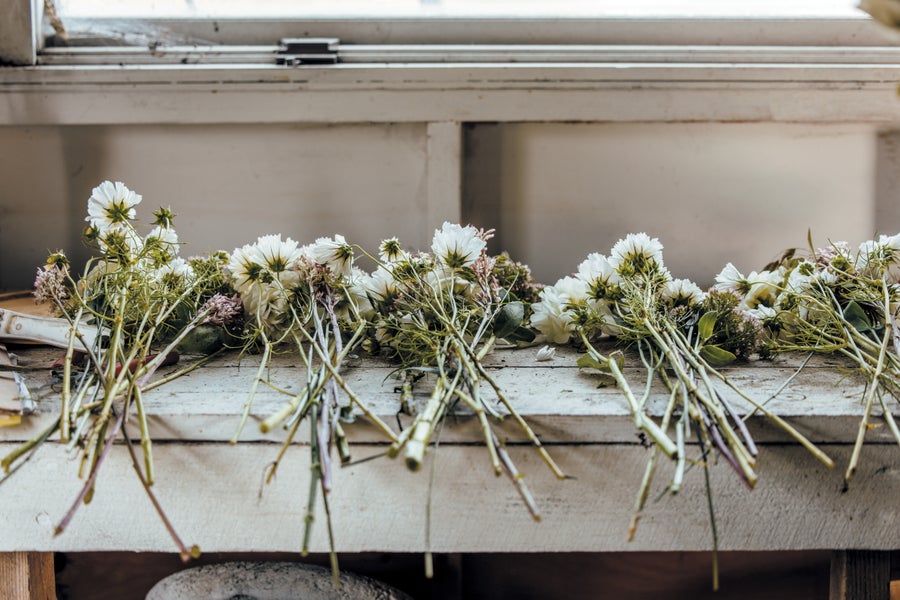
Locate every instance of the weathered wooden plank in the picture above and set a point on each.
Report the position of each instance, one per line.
(211, 494)
(860, 575)
(563, 403)
(27, 576)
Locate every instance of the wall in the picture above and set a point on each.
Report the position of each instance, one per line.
(712, 192)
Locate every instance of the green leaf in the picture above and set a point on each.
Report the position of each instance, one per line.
(203, 339)
(706, 325)
(586, 361)
(509, 318)
(856, 316)
(522, 334)
(715, 356)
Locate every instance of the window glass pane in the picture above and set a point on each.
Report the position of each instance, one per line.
(461, 8)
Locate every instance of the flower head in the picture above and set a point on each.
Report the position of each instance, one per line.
(223, 310)
(637, 254)
(111, 205)
(391, 251)
(334, 253)
(600, 275)
(455, 246)
(683, 292)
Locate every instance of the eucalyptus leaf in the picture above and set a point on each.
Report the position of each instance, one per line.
(715, 356)
(509, 318)
(856, 316)
(706, 325)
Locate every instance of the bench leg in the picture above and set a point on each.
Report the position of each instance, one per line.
(860, 575)
(27, 576)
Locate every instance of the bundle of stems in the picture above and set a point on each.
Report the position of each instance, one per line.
(305, 300)
(128, 314)
(683, 337)
(838, 302)
(440, 314)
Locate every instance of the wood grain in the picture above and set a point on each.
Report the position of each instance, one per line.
(27, 576)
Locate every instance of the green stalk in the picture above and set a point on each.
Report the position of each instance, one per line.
(263, 364)
(146, 441)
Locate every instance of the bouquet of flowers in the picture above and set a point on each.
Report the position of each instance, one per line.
(309, 300)
(835, 301)
(682, 335)
(129, 313)
(439, 314)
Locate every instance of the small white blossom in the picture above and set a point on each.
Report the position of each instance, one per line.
(111, 204)
(546, 353)
(391, 251)
(551, 315)
(683, 292)
(276, 255)
(334, 253)
(455, 246)
(637, 253)
(730, 279)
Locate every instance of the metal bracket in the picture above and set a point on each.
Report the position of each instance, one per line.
(307, 51)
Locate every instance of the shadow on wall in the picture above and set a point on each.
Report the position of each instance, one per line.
(711, 192)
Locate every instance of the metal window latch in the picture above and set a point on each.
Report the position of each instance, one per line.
(307, 51)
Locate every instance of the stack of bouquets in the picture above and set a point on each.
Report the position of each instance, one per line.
(439, 314)
(835, 301)
(682, 335)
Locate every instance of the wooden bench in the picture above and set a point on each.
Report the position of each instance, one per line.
(211, 489)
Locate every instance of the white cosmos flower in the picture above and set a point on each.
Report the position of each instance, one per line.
(683, 292)
(165, 237)
(334, 253)
(637, 253)
(764, 289)
(276, 255)
(551, 315)
(245, 267)
(111, 204)
(730, 279)
(381, 284)
(599, 274)
(177, 267)
(455, 246)
(265, 305)
(391, 251)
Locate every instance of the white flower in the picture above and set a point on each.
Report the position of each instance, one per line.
(381, 285)
(546, 353)
(121, 242)
(391, 251)
(276, 255)
(265, 305)
(455, 246)
(356, 289)
(177, 267)
(730, 279)
(881, 258)
(683, 292)
(111, 204)
(244, 266)
(334, 253)
(599, 274)
(164, 238)
(638, 253)
(551, 315)
(764, 289)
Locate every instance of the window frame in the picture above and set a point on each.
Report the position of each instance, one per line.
(830, 70)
